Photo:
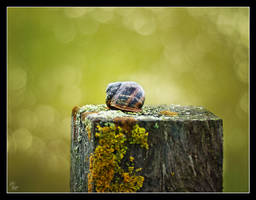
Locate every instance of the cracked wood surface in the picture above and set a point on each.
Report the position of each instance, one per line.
(185, 150)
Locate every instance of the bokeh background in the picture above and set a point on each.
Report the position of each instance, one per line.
(60, 57)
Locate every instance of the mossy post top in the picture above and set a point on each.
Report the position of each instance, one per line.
(149, 113)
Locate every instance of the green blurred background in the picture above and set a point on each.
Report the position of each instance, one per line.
(62, 57)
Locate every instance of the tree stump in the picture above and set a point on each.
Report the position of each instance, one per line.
(160, 149)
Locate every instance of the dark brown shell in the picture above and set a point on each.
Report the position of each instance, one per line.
(127, 96)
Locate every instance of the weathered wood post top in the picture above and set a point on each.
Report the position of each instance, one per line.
(165, 148)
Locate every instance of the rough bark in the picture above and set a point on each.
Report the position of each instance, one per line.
(185, 150)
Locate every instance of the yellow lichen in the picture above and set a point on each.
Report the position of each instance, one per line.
(105, 163)
(139, 136)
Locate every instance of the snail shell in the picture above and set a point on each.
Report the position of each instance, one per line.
(127, 96)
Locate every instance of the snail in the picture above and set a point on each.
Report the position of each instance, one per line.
(126, 96)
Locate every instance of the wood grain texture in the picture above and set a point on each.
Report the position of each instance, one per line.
(185, 151)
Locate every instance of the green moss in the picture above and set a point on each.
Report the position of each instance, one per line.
(106, 173)
(156, 125)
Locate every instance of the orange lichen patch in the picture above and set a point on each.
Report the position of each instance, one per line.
(131, 183)
(75, 110)
(126, 177)
(168, 113)
(90, 178)
(85, 114)
(89, 132)
(126, 123)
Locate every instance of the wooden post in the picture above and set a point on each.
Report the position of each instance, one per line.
(160, 149)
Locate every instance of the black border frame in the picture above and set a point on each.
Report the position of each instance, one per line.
(120, 3)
